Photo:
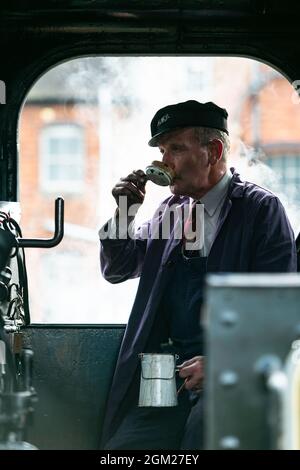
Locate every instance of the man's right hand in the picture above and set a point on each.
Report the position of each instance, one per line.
(133, 186)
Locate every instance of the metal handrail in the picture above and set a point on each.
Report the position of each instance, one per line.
(58, 231)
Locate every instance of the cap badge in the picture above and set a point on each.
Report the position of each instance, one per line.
(163, 119)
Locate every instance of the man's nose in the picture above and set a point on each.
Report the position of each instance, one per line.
(167, 159)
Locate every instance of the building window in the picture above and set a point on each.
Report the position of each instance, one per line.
(62, 158)
(287, 169)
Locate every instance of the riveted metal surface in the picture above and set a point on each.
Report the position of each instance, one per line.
(73, 368)
(266, 323)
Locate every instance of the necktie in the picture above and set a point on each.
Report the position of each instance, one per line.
(192, 232)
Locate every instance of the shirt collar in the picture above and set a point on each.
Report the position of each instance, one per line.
(215, 195)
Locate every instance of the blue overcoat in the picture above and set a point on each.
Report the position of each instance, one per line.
(253, 235)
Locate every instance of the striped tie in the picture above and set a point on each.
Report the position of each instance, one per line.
(190, 232)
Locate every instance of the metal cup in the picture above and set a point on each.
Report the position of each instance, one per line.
(158, 383)
(159, 173)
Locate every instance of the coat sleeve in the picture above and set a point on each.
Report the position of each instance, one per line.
(122, 258)
(274, 247)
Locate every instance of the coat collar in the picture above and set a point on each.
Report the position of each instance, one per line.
(237, 186)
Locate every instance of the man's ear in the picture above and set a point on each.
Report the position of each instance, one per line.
(215, 151)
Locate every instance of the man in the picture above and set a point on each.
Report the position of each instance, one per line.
(245, 230)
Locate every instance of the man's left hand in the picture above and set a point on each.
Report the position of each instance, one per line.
(193, 372)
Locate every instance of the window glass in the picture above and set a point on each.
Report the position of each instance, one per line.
(287, 167)
(86, 123)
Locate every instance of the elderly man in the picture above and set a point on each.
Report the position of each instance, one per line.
(245, 230)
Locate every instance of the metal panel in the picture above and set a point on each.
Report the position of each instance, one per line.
(73, 367)
(248, 317)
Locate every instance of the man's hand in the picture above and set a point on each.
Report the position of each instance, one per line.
(133, 186)
(193, 372)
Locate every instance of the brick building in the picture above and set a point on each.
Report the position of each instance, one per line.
(59, 156)
(270, 122)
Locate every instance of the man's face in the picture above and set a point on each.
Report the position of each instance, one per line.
(189, 158)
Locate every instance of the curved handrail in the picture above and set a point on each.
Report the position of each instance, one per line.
(58, 231)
